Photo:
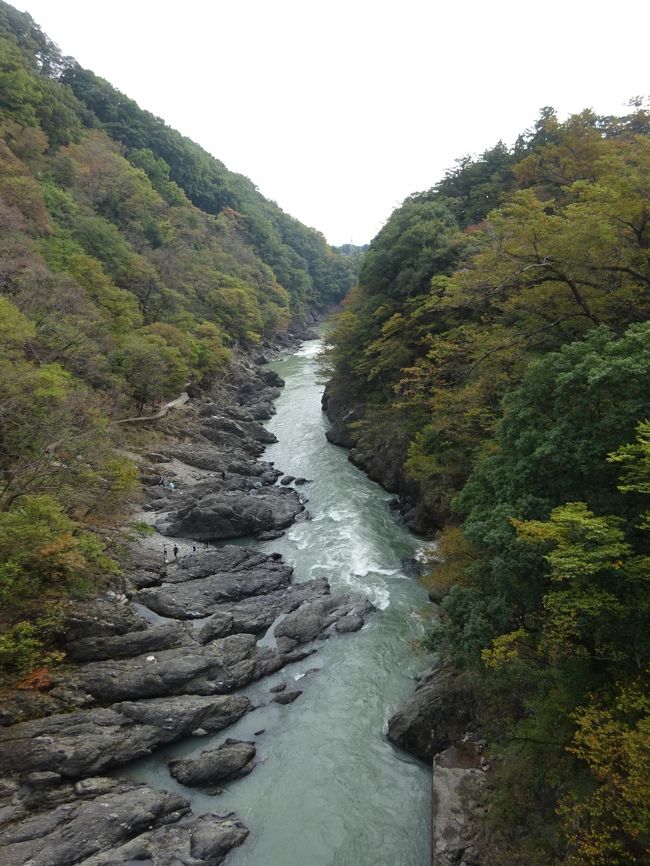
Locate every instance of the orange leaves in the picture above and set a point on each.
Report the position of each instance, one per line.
(611, 825)
(38, 679)
(62, 556)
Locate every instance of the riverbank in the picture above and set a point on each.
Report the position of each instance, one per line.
(382, 459)
(143, 682)
(438, 722)
(329, 787)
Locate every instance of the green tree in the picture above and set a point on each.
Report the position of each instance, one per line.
(151, 369)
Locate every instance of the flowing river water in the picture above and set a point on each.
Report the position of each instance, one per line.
(329, 789)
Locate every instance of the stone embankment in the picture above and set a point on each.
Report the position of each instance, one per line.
(168, 654)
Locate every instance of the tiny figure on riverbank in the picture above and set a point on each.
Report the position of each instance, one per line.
(171, 485)
(175, 551)
(223, 474)
(160, 482)
(194, 548)
(165, 557)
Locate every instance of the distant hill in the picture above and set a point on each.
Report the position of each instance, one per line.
(131, 262)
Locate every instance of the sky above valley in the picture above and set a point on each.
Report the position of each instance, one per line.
(339, 110)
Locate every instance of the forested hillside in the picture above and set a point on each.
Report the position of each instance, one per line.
(131, 262)
(494, 359)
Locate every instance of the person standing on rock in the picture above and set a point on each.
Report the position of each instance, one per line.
(165, 554)
(175, 551)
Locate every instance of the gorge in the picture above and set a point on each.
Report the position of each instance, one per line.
(325, 777)
(217, 631)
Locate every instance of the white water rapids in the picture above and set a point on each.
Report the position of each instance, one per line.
(329, 789)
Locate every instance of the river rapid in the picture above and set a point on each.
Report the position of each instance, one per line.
(329, 789)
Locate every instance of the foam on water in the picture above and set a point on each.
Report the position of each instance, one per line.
(310, 349)
(340, 515)
(425, 550)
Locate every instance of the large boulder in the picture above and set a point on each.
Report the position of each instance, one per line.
(78, 828)
(207, 841)
(270, 377)
(257, 613)
(231, 559)
(99, 618)
(230, 760)
(218, 668)
(197, 585)
(435, 716)
(287, 697)
(261, 411)
(316, 619)
(88, 741)
(342, 417)
(110, 822)
(202, 456)
(203, 596)
(233, 514)
(252, 396)
(240, 429)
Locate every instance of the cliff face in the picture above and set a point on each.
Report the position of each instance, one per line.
(382, 459)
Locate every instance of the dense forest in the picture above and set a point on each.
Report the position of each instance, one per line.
(493, 351)
(131, 263)
(496, 350)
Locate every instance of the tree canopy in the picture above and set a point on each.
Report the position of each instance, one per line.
(131, 262)
(496, 347)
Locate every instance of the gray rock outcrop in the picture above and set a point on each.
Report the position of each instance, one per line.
(198, 585)
(106, 822)
(459, 804)
(256, 613)
(233, 514)
(435, 716)
(158, 637)
(86, 742)
(286, 697)
(315, 620)
(219, 667)
(230, 760)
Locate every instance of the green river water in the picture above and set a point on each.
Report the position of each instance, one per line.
(329, 789)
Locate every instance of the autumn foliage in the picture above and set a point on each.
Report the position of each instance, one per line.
(497, 346)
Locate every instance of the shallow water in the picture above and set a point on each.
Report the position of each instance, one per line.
(330, 790)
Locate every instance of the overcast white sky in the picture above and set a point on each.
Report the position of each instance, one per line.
(339, 109)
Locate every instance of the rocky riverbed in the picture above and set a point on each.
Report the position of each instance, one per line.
(167, 655)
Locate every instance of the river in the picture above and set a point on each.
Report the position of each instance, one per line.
(330, 790)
